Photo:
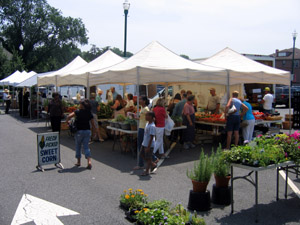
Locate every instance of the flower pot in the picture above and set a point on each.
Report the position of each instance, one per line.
(124, 206)
(178, 124)
(199, 186)
(133, 127)
(130, 215)
(221, 195)
(125, 126)
(199, 201)
(222, 181)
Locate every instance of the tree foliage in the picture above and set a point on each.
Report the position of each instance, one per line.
(50, 40)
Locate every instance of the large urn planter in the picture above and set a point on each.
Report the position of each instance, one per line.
(199, 186)
(221, 195)
(199, 201)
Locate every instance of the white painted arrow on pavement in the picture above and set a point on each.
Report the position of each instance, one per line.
(39, 211)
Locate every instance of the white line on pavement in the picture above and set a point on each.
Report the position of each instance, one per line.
(290, 183)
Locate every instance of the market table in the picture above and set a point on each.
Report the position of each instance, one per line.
(282, 166)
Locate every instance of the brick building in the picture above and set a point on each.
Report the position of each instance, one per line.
(283, 61)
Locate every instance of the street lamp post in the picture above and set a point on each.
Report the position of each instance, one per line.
(293, 58)
(126, 6)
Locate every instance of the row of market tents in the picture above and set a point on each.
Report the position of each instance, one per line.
(155, 64)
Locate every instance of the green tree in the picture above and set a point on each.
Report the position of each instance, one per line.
(184, 56)
(50, 40)
(5, 68)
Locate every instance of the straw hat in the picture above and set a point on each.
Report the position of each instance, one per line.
(267, 89)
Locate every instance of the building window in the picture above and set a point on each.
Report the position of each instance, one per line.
(282, 54)
(283, 62)
(296, 63)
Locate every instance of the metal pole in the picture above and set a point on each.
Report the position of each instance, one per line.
(290, 108)
(88, 86)
(125, 33)
(30, 102)
(138, 108)
(293, 58)
(228, 85)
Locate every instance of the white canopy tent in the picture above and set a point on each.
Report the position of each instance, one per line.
(157, 64)
(52, 78)
(244, 70)
(17, 77)
(80, 76)
(32, 81)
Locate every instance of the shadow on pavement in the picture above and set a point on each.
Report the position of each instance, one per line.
(268, 214)
(74, 169)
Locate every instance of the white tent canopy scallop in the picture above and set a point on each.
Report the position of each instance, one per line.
(17, 77)
(80, 76)
(244, 70)
(53, 77)
(157, 64)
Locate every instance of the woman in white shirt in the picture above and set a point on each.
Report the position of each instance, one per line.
(130, 104)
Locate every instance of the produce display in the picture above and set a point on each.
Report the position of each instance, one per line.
(262, 116)
(266, 150)
(105, 111)
(210, 118)
(71, 109)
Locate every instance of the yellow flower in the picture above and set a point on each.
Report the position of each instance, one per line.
(127, 196)
(146, 195)
(136, 212)
(130, 189)
(125, 191)
(139, 190)
(142, 193)
(132, 196)
(145, 209)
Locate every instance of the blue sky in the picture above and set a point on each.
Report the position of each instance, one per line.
(197, 28)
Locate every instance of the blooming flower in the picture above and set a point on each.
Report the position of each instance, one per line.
(125, 191)
(132, 196)
(142, 193)
(130, 189)
(136, 211)
(139, 190)
(152, 217)
(127, 196)
(165, 218)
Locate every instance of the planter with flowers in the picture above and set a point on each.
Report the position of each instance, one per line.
(200, 175)
(221, 193)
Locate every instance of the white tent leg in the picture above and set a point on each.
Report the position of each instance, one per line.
(30, 103)
(138, 111)
(228, 85)
(166, 93)
(38, 103)
(88, 86)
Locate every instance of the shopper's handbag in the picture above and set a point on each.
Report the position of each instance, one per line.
(232, 110)
(73, 126)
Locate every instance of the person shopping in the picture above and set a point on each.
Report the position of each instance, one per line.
(130, 104)
(144, 102)
(118, 106)
(267, 101)
(83, 119)
(213, 105)
(95, 107)
(7, 100)
(56, 111)
(148, 143)
(160, 116)
(232, 111)
(248, 122)
(189, 121)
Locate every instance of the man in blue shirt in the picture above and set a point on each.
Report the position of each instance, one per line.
(114, 93)
(178, 109)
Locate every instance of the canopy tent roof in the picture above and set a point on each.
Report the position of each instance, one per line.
(32, 81)
(17, 77)
(79, 76)
(51, 78)
(245, 70)
(157, 64)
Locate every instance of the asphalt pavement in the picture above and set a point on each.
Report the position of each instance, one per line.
(95, 194)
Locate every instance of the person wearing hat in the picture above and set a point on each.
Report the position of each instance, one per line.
(95, 107)
(213, 104)
(99, 96)
(267, 101)
(7, 100)
(232, 111)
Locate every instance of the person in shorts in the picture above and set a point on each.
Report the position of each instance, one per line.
(148, 143)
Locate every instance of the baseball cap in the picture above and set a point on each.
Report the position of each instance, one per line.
(267, 89)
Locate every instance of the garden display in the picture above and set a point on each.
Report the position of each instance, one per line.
(266, 150)
(177, 120)
(139, 210)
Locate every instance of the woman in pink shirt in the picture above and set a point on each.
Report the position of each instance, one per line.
(189, 121)
(160, 116)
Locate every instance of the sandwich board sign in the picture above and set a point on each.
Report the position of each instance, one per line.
(48, 150)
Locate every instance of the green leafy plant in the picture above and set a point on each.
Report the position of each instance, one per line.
(221, 166)
(158, 204)
(134, 199)
(177, 118)
(203, 168)
(132, 122)
(46, 103)
(120, 118)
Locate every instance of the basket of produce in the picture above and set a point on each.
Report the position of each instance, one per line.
(258, 115)
(105, 111)
(273, 118)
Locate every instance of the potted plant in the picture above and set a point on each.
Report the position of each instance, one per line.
(201, 173)
(133, 124)
(221, 169)
(120, 119)
(177, 120)
(126, 124)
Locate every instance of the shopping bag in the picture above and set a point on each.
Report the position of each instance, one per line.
(169, 125)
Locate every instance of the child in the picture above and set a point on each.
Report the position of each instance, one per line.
(148, 143)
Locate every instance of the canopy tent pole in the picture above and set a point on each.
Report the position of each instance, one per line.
(290, 110)
(30, 103)
(56, 88)
(138, 109)
(38, 103)
(124, 90)
(88, 86)
(3, 92)
(166, 93)
(228, 85)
